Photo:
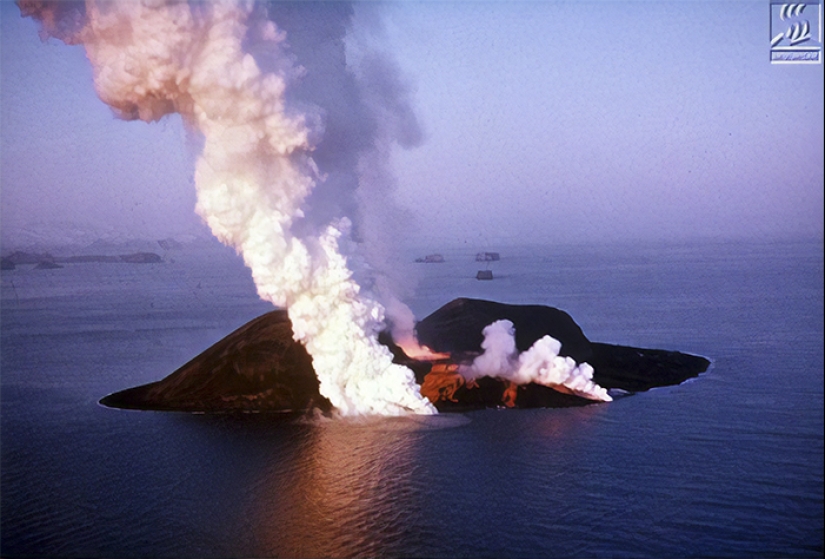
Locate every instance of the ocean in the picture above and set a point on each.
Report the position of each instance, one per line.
(729, 464)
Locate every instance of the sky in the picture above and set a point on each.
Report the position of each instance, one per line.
(542, 122)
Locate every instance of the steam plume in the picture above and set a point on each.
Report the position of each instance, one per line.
(540, 364)
(226, 68)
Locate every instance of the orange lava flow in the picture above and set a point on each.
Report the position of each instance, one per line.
(444, 380)
(441, 383)
(508, 397)
(419, 352)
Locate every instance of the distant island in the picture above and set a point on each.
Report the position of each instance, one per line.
(260, 368)
(45, 260)
(431, 259)
(50, 252)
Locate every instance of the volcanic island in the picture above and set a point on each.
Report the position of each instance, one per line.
(260, 367)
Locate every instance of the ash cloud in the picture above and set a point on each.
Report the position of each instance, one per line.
(297, 135)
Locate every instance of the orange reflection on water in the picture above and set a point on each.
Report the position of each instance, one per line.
(348, 483)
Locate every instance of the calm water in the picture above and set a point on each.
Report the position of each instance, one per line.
(726, 465)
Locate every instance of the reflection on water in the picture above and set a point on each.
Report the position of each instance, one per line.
(405, 486)
(727, 465)
(351, 487)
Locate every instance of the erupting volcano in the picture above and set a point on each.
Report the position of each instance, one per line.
(293, 171)
(261, 368)
(256, 175)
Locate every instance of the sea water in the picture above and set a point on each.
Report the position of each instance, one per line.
(729, 464)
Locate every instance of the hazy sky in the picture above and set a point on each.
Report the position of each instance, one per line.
(544, 122)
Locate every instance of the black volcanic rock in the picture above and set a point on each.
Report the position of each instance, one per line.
(458, 325)
(259, 367)
(635, 370)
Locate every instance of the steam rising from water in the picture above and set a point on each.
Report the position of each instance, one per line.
(256, 173)
(540, 364)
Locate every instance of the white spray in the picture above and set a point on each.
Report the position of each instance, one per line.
(152, 58)
(541, 364)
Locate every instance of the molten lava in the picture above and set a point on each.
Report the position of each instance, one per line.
(441, 383)
(419, 352)
(508, 397)
(444, 380)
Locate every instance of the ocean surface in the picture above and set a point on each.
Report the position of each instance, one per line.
(729, 464)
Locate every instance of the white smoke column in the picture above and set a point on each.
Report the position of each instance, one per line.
(499, 356)
(387, 99)
(340, 330)
(541, 364)
(153, 58)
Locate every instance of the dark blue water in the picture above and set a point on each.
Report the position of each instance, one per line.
(727, 465)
